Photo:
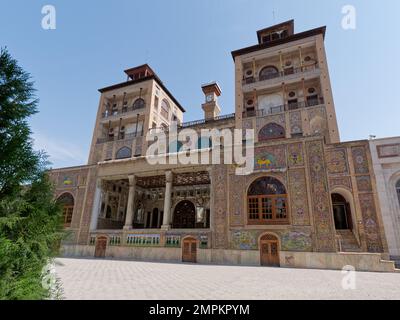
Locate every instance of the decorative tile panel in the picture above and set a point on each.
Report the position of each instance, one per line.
(298, 197)
(337, 161)
(322, 215)
(371, 227)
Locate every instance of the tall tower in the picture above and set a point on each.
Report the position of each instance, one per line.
(211, 108)
(285, 79)
(127, 111)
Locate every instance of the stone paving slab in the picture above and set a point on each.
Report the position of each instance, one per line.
(135, 280)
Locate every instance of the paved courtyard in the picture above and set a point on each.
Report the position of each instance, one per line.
(116, 279)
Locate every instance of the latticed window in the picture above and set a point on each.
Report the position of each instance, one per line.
(124, 153)
(139, 104)
(267, 202)
(269, 72)
(271, 131)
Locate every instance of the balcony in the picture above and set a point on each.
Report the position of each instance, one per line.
(206, 121)
(286, 107)
(118, 112)
(194, 123)
(126, 136)
(280, 75)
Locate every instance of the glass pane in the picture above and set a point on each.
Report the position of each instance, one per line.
(253, 208)
(266, 207)
(280, 207)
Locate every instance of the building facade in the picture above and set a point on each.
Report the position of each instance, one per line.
(386, 161)
(310, 200)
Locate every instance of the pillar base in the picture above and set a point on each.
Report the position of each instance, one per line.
(127, 228)
(165, 227)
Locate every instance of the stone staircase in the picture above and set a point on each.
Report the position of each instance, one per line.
(347, 240)
(396, 261)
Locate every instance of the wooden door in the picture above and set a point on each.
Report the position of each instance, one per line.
(189, 250)
(269, 251)
(101, 245)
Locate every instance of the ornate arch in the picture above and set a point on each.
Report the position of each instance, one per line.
(139, 104)
(267, 202)
(184, 215)
(271, 131)
(124, 153)
(269, 233)
(268, 72)
(348, 197)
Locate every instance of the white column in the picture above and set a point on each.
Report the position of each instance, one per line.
(167, 200)
(131, 201)
(96, 206)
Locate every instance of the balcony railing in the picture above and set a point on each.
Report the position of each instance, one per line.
(117, 137)
(286, 107)
(121, 111)
(204, 121)
(197, 122)
(280, 74)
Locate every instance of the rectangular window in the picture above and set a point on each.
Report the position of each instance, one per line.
(264, 210)
(155, 102)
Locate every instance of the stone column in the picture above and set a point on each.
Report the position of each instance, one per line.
(96, 206)
(167, 200)
(131, 203)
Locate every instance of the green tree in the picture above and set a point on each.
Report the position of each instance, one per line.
(30, 219)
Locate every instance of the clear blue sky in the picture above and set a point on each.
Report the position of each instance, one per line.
(189, 43)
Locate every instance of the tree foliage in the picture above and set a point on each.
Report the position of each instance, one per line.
(30, 219)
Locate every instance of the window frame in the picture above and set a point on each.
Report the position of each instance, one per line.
(266, 199)
(260, 212)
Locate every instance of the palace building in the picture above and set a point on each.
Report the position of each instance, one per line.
(311, 200)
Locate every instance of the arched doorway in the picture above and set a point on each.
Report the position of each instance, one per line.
(101, 246)
(189, 250)
(341, 212)
(269, 250)
(184, 215)
(67, 202)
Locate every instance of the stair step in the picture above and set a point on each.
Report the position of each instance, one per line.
(348, 241)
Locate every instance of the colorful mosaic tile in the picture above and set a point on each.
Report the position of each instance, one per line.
(323, 221)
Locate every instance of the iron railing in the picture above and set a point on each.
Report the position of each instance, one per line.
(120, 111)
(286, 107)
(280, 74)
(121, 136)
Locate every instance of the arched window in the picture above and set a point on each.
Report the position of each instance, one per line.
(67, 202)
(165, 109)
(271, 131)
(124, 153)
(184, 215)
(267, 202)
(398, 190)
(139, 104)
(269, 72)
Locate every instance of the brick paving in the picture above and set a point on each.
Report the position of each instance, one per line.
(117, 279)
